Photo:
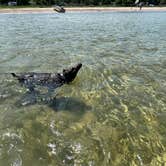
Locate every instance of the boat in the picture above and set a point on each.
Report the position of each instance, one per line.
(59, 9)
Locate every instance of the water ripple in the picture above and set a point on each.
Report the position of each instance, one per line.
(112, 114)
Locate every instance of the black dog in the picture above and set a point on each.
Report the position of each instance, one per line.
(49, 80)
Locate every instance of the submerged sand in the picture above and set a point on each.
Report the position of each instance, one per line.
(80, 9)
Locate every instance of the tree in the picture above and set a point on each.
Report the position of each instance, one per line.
(22, 2)
(83, 2)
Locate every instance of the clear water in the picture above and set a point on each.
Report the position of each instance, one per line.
(114, 113)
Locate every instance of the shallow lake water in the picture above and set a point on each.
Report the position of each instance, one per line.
(113, 113)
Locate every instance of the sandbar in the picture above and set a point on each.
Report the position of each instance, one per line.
(81, 9)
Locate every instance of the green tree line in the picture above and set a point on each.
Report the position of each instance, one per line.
(82, 2)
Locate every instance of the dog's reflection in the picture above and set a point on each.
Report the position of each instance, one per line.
(56, 103)
(34, 97)
(68, 103)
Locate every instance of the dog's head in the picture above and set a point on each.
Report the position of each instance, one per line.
(71, 73)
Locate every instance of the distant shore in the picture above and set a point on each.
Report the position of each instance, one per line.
(80, 9)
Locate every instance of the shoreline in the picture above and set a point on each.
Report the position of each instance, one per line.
(80, 9)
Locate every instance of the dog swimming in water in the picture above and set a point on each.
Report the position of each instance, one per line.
(49, 80)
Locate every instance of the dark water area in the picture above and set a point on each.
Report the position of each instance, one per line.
(113, 113)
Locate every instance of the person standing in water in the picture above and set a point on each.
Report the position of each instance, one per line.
(139, 4)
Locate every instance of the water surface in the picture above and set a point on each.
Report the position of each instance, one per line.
(114, 113)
